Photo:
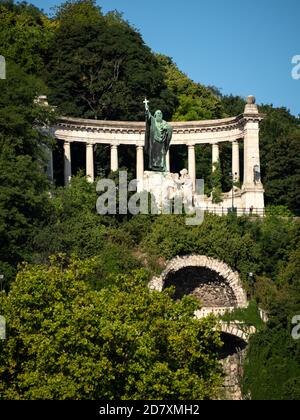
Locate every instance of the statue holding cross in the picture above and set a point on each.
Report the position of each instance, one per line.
(146, 102)
(157, 139)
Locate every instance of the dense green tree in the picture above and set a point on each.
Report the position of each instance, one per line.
(195, 101)
(66, 341)
(99, 66)
(280, 153)
(75, 227)
(280, 141)
(226, 238)
(233, 105)
(272, 370)
(276, 238)
(25, 35)
(23, 181)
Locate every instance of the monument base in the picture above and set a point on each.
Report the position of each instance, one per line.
(174, 194)
(253, 197)
(168, 189)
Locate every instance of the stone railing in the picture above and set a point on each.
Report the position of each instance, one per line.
(217, 311)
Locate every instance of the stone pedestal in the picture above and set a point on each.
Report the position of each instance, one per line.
(157, 184)
(169, 190)
(253, 199)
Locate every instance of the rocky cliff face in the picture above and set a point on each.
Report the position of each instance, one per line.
(233, 370)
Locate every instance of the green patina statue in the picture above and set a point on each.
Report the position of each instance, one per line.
(157, 140)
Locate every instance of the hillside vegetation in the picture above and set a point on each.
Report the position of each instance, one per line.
(81, 322)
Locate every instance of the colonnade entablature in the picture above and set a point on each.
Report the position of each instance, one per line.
(133, 133)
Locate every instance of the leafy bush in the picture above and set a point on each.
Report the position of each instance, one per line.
(249, 316)
(67, 341)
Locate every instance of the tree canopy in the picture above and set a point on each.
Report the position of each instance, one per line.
(66, 341)
(99, 66)
(24, 185)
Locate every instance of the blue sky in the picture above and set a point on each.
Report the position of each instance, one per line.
(241, 47)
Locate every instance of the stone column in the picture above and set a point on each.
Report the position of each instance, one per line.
(251, 142)
(114, 161)
(168, 161)
(139, 166)
(68, 165)
(90, 162)
(50, 172)
(215, 155)
(192, 164)
(251, 152)
(236, 160)
(253, 191)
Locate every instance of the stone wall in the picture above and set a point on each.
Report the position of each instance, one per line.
(233, 371)
(232, 357)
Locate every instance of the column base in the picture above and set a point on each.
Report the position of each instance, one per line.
(253, 197)
(90, 179)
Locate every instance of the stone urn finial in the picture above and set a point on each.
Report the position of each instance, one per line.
(251, 107)
(251, 100)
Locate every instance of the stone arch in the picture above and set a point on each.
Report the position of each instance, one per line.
(220, 270)
(237, 330)
(235, 335)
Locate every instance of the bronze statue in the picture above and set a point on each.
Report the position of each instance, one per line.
(157, 140)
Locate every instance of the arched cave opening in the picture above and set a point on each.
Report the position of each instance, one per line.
(232, 345)
(206, 285)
